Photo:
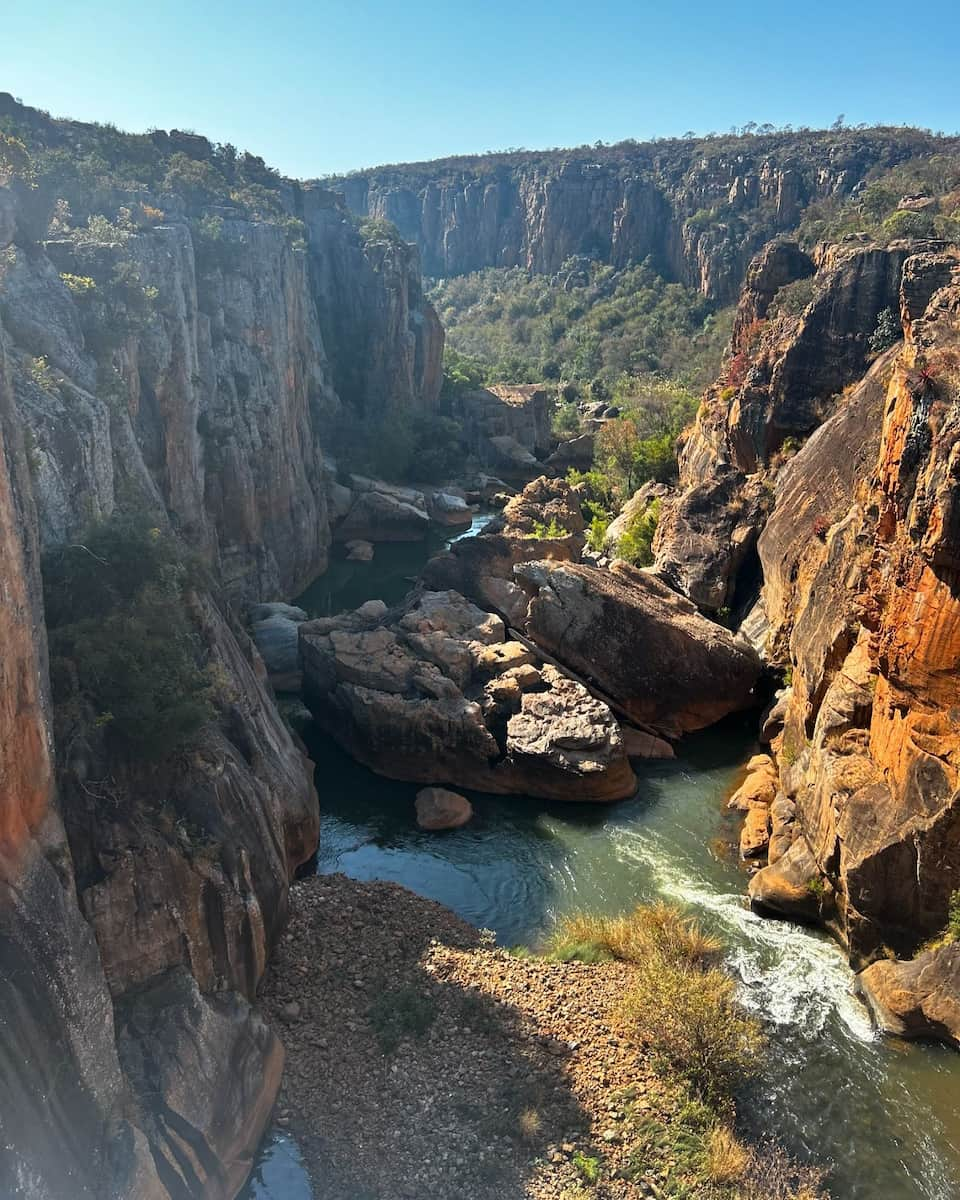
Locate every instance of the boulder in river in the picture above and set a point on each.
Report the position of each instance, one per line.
(359, 550)
(382, 512)
(439, 808)
(643, 645)
(434, 693)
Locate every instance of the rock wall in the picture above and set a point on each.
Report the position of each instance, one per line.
(700, 209)
(201, 379)
(785, 375)
(860, 561)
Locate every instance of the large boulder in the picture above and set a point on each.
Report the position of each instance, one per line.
(919, 998)
(435, 693)
(667, 667)
(273, 628)
(382, 513)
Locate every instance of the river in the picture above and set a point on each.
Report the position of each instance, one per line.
(885, 1116)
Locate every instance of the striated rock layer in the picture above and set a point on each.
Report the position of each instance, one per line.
(622, 203)
(861, 561)
(199, 381)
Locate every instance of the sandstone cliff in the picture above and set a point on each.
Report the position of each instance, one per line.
(700, 208)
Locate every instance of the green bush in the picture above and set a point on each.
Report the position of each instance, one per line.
(461, 374)
(636, 543)
(887, 332)
(597, 533)
(547, 531)
(124, 651)
(566, 421)
(691, 1020)
(793, 298)
(400, 1013)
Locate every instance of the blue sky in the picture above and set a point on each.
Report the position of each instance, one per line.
(328, 86)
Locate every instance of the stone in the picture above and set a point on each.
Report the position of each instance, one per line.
(436, 694)
(359, 550)
(448, 509)
(667, 667)
(918, 998)
(755, 833)
(792, 887)
(383, 516)
(640, 744)
(438, 808)
(759, 787)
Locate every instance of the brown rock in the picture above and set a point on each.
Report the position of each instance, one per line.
(438, 808)
(755, 834)
(648, 648)
(792, 887)
(919, 998)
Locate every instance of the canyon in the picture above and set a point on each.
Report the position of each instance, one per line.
(223, 368)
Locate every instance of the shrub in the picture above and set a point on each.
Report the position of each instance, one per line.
(793, 298)
(399, 1013)
(691, 1020)
(887, 332)
(41, 375)
(545, 532)
(588, 1166)
(636, 544)
(632, 937)
(597, 533)
(376, 229)
(566, 420)
(15, 162)
(78, 285)
(124, 652)
(461, 374)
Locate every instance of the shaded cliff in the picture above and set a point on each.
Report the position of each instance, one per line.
(181, 354)
(699, 208)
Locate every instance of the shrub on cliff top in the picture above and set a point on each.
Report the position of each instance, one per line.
(636, 543)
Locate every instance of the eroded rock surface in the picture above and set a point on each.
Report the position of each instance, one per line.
(645, 646)
(434, 693)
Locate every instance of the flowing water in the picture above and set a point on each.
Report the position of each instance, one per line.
(884, 1115)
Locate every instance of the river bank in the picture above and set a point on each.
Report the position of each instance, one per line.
(423, 1061)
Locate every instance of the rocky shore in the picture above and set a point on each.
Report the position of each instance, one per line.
(424, 1062)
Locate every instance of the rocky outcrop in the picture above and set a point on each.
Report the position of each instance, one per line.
(787, 374)
(666, 667)
(699, 208)
(434, 693)
(507, 428)
(916, 999)
(544, 521)
(860, 562)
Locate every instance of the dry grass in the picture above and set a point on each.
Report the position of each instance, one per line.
(530, 1123)
(690, 1018)
(727, 1159)
(657, 929)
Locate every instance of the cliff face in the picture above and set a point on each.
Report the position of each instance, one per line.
(197, 371)
(699, 209)
(63, 1131)
(867, 612)
(783, 380)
